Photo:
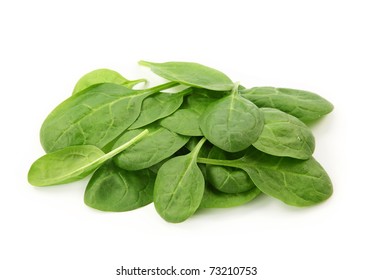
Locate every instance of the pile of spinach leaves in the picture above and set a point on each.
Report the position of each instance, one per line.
(206, 143)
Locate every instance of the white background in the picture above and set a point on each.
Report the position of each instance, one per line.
(321, 46)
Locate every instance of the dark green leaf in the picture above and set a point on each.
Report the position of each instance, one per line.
(157, 145)
(93, 117)
(179, 187)
(73, 163)
(232, 123)
(285, 135)
(158, 106)
(227, 179)
(304, 105)
(213, 198)
(114, 189)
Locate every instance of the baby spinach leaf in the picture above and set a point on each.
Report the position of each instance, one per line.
(158, 106)
(184, 122)
(227, 179)
(101, 76)
(213, 198)
(232, 123)
(114, 189)
(285, 135)
(295, 182)
(304, 105)
(191, 74)
(94, 117)
(157, 145)
(179, 187)
(202, 98)
(72, 163)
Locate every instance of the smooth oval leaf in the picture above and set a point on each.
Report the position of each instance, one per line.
(306, 106)
(227, 179)
(114, 189)
(184, 122)
(101, 76)
(285, 135)
(213, 198)
(158, 106)
(93, 117)
(191, 74)
(157, 145)
(72, 163)
(293, 181)
(179, 187)
(232, 123)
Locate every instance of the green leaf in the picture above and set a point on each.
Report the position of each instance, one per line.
(93, 117)
(202, 98)
(285, 135)
(295, 182)
(191, 74)
(72, 163)
(158, 106)
(213, 198)
(114, 189)
(179, 187)
(232, 123)
(157, 145)
(227, 179)
(304, 105)
(101, 76)
(184, 122)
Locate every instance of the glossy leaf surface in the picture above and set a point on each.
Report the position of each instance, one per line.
(285, 135)
(213, 198)
(158, 106)
(306, 106)
(295, 182)
(191, 74)
(72, 163)
(101, 76)
(227, 179)
(232, 123)
(93, 117)
(179, 187)
(157, 145)
(114, 189)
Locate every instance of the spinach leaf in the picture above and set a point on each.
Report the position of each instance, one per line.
(232, 123)
(158, 106)
(157, 145)
(101, 76)
(202, 98)
(285, 135)
(191, 74)
(114, 189)
(179, 187)
(227, 179)
(213, 198)
(72, 163)
(94, 117)
(184, 122)
(295, 182)
(304, 105)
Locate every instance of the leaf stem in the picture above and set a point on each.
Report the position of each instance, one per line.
(198, 147)
(221, 162)
(152, 90)
(134, 82)
(126, 145)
